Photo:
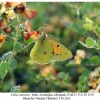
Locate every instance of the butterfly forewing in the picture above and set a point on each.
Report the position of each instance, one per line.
(60, 51)
(42, 52)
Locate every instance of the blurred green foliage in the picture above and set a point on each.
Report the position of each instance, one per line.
(65, 23)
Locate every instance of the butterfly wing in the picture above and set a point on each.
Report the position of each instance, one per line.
(60, 51)
(42, 52)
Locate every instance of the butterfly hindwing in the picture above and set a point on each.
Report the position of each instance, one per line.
(42, 52)
(60, 51)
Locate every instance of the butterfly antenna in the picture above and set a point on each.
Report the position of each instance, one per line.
(45, 27)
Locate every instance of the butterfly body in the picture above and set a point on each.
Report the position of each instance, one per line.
(47, 49)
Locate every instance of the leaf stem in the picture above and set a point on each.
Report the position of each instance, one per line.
(24, 47)
(15, 39)
(9, 37)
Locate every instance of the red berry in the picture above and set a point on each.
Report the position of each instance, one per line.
(26, 54)
(7, 29)
(22, 8)
(26, 35)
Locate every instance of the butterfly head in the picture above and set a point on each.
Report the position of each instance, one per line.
(44, 34)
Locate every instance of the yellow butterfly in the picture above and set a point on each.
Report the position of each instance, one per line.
(47, 49)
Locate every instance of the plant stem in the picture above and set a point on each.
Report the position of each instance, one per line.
(9, 37)
(1, 81)
(0, 84)
(15, 40)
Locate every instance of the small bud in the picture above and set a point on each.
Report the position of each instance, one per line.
(8, 4)
(2, 40)
(26, 54)
(7, 29)
(21, 8)
(0, 23)
(26, 35)
(87, 20)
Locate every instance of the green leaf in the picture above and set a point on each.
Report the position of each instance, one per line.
(61, 75)
(97, 29)
(39, 76)
(86, 26)
(13, 34)
(83, 44)
(4, 66)
(98, 44)
(90, 42)
(6, 56)
(70, 64)
(67, 24)
(81, 79)
(35, 80)
(87, 6)
(48, 76)
(95, 60)
(15, 89)
(82, 87)
(18, 46)
(13, 63)
(56, 82)
(9, 54)
(85, 72)
(19, 37)
(73, 12)
(79, 85)
(28, 41)
(86, 62)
